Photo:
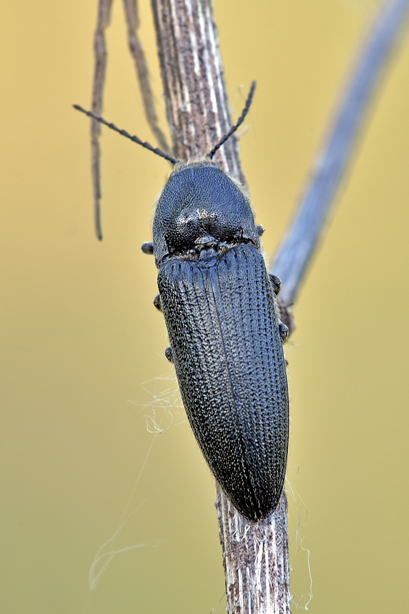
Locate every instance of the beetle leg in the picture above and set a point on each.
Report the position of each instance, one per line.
(284, 332)
(276, 283)
(157, 303)
(168, 354)
(147, 247)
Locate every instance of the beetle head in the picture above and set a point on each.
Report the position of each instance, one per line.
(199, 208)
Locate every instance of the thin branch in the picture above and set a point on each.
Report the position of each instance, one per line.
(298, 245)
(100, 52)
(192, 74)
(255, 555)
(256, 560)
(104, 13)
(142, 72)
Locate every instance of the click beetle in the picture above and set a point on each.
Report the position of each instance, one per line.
(225, 334)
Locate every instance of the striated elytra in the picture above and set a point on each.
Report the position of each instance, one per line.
(225, 334)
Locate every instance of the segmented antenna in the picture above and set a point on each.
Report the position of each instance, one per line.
(135, 139)
(237, 124)
(158, 151)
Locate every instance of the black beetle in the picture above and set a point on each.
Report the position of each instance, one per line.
(220, 309)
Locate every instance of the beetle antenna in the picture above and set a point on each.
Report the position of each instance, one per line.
(135, 139)
(237, 124)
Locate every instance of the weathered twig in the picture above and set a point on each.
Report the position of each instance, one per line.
(142, 73)
(104, 13)
(299, 243)
(255, 555)
(193, 79)
(255, 559)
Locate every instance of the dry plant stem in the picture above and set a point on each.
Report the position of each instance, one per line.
(300, 241)
(137, 53)
(142, 72)
(192, 74)
(255, 555)
(100, 52)
(263, 546)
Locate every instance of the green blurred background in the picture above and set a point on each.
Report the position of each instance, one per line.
(83, 348)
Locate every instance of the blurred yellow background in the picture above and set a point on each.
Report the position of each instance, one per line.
(83, 347)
